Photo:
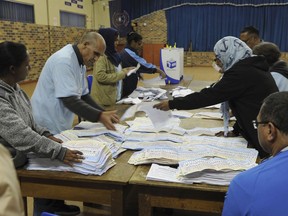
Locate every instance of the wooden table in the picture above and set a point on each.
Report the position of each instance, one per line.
(112, 187)
(194, 197)
(108, 189)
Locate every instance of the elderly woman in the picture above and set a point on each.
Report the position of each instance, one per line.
(18, 132)
(244, 84)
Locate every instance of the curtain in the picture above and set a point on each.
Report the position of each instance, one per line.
(72, 19)
(16, 12)
(202, 23)
(203, 26)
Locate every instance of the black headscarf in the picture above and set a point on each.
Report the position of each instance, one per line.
(110, 35)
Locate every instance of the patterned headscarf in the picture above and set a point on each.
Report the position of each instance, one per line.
(110, 35)
(229, 50)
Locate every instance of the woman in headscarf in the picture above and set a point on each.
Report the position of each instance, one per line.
(108, 72)
(244, 84)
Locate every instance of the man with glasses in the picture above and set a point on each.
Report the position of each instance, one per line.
(250, 36)
(263, 190)
(61, 92)
(62, 88)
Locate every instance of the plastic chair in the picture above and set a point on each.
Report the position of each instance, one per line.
(48, 214)
(90, 81)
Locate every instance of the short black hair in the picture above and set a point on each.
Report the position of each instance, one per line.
(269, 50)
(11, 53)
(251, 30)
(133, 36)
(275, 109)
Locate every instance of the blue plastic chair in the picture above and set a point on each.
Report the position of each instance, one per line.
(48, 214)
(90, 81)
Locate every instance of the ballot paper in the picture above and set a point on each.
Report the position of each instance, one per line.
(181, 91)
(198, 131)
(97, 159)
(133, 70)
(215, 171)
(148, 94)
(211, 115)
(158, 117)
(129, 100)
(182, 114)
(194, 166)
(145, 125)
(160, 156)
(154, 82)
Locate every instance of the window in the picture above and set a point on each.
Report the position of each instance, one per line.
(72, 19)
(16, 12)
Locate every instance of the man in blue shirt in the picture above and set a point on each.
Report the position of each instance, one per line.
(61, 92)
(62, 89)
(263, 190)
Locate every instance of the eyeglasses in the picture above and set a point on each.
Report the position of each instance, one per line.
(256, 123)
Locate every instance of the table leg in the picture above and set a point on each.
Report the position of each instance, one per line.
(145, 208)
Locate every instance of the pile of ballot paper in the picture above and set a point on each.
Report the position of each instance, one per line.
(97, 159)
(209, 164)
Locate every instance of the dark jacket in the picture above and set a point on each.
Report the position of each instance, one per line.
(130, 58)
(244, 86)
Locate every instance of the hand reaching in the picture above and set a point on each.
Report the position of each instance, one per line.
(162, 105)
(108, 118)
(162, 73)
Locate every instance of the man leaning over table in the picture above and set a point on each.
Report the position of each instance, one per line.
(263, 189)
(62, 87)
(62, 91)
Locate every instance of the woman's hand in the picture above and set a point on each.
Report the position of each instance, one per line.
(73, 156)
(162, 73)
(162, 105)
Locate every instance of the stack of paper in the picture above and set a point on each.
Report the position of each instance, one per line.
(211, 170)
(145, 125)
(214, 171)
(158, 117)
(97, 159)
(181, 91)
(149, 94)
(160, 155)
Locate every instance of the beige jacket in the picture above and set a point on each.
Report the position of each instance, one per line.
(104, 87)
(11, 202)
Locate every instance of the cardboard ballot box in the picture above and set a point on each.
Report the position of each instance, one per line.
(172, 63)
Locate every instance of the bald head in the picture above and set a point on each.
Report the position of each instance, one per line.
(91, 46)
(94, 38)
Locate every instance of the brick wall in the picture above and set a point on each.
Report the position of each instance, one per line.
(36, 39)
(152, 27)
(40, 40)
